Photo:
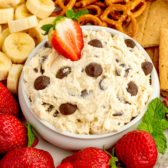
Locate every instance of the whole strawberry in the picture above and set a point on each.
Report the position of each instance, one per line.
(165, 102)
(35, 142)
(65, 165)
(27, 157)
(8, 103)
(90, 158)
(137, 149)
(13, 133)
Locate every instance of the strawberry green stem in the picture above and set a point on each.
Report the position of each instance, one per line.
(113, 159)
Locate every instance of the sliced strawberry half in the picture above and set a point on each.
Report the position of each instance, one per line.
(67, 39)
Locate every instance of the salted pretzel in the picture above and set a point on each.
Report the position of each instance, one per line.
(100, 4)
(63, 7)
(92, 9)
(119, 23)
(111, 2)
(134, 4)
(88, 18)
(131, 4)
(150, 0)
(84, 3)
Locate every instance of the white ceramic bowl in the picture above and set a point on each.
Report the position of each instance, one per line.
(71, 141)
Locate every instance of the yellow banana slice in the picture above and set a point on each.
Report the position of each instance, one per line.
(8, 3)
(1, 41)
(37, 33)
(5, 33)
(6, 15)
(22, 12)
(40, 8)
(22, 24)
(18, 46)
(5, 65)
(13, 78)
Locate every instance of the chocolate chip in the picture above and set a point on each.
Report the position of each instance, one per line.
(96, 43)
(45, 104)
(44, 57)
(47, 45)
(84, 93)
(63, 72)
(166, 116)
(67, 108)
(132, 88)
(41, 82)
(117, 72)
(120, 113)
(127, 72)
(101, 85)
(35, 69)
(93, 70)
(79, 120)
(41, 70)
(147, 67)
(51, 107)
(130, 43)
(117, 60)
(123, 65)
(126, 102)
(56, 114)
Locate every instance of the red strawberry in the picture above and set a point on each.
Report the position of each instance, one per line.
(165, 102)
(67, 38)
(65, 165)
(13, 134)
(137, 149)
(27, 158)
(89, 158)
(8, 103)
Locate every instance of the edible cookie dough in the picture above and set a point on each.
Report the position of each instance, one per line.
(100, 93)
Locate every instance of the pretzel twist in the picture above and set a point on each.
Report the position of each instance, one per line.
(84, 3)
(119, 23)
(133, 6)
(92, 8)
(100, 4)
(91, 19)
(64, 8)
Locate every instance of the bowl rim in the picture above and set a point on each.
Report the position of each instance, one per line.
(154, 79)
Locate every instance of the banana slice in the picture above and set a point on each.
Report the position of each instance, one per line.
(18, 46)
(22, 12)
(6, 15)
(40, 8)
(1, 41)
(13, 78)
(22, 24)
(5, 33)
(5, 65)
(37, 33)
(8, 3)
(4, 26)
